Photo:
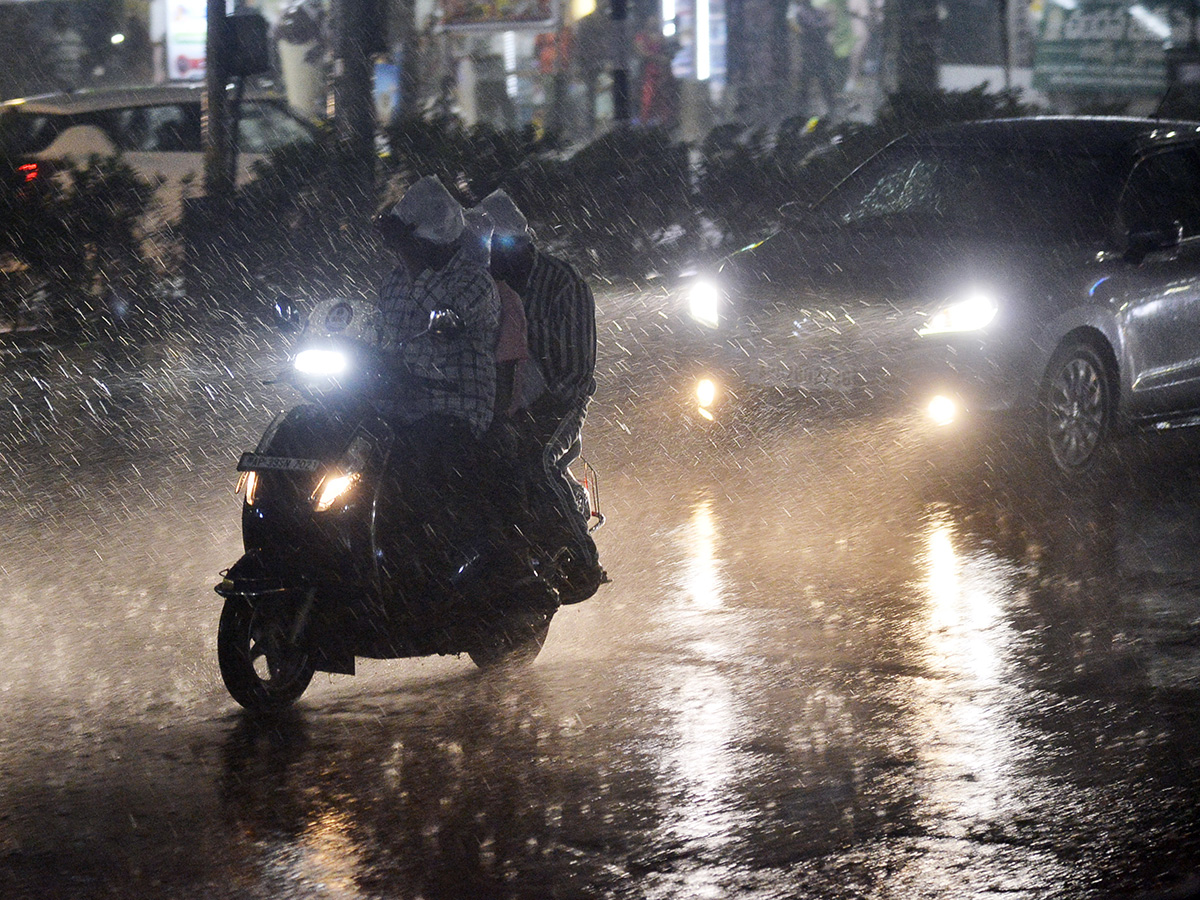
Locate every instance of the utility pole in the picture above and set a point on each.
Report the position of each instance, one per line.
(620, 71)
(911, 44)
(356, 24)
(1006, 43)
(410, 44)
(218, 170)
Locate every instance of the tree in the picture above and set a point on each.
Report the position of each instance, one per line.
(911, 38)
(358, 26)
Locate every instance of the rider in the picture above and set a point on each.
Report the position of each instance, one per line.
(442, 382)
(561, 327)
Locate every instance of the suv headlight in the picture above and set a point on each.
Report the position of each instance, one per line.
(704, 302)
(973, 312)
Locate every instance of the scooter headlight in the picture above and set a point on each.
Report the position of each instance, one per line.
(321, 362)
(332, 488)
(338, 484)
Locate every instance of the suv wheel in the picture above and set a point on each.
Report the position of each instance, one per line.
(1078, 404)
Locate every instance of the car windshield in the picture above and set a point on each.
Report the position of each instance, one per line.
(22, 132)
(1047, 194)
(263, 128)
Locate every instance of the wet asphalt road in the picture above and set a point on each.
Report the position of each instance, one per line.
(831, 665)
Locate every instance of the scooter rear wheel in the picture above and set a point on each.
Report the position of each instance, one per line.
(263, 667)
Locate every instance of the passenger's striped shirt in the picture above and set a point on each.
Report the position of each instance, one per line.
(561, 314)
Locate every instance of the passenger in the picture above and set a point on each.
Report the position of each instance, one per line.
(560, 313)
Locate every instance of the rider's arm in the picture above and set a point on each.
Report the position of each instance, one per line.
(470, 291)
(396, 314)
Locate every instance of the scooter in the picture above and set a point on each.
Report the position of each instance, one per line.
(320, 583)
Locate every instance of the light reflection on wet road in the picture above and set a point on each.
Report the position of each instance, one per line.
(823, 670)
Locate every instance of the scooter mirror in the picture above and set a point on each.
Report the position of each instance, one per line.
(287, 317)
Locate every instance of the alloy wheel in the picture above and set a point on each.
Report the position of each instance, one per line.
(1077, 400)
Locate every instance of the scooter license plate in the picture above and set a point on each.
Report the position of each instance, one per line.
(260, 462)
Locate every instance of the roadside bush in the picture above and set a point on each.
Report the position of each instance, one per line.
(630, 202)
(304, 229)
(472, 162)
(745, 175)
(300, 228)
(433, 145)
(80, 234)
(737, 181)
(619, 205)
(622, 205)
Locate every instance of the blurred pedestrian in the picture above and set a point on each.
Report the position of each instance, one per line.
(593, 39)
(816, 56)
(864, 19)
(659, 95)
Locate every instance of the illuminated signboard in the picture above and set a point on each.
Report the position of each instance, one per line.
(1101, 46)
(500, 15)
(187, 31)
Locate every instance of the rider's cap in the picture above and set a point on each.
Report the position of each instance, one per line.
(438, 217)
(507, 218)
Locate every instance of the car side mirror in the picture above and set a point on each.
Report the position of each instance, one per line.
(444, 322)
(247, 48)
(1142, 241)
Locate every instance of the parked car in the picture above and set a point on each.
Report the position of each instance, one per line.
(1057, 260)
(156, 130)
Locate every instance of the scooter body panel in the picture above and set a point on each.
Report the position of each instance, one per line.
(340, 559)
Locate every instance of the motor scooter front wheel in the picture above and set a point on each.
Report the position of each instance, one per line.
(264, 667)
(513, 646)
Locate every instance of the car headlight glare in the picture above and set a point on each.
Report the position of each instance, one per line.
(942, 410)
(973, 313)
(321, 362)
(704, 303)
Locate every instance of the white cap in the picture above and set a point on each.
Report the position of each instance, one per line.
(507, 218)
(429, 206)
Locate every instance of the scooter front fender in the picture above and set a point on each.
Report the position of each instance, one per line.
(252, 579)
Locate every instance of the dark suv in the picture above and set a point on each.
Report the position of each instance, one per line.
(1056, 259)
